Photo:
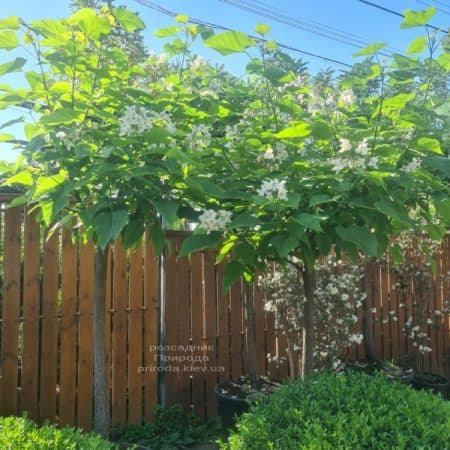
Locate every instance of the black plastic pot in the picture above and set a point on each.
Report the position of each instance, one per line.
(229, 409)
(433, 382)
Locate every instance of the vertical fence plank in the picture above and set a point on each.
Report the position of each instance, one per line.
(85, 333)
(271, 344)
(184, 328)
(236, 330)
(446, 324)
(197, 308)
(151, 329)
(376, 292)
(108, 321)
(394, 322)
(48, 360)
(10, 313)
(210, 363)
(171, 308)
(31, 312)
(68, 331)
(223, 312)
(260, 343)
(135, 337)
(120, 325)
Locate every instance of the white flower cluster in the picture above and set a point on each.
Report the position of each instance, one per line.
(355, 338)
(347, 97)
(138, 119)
(354, 156)
(199, 138)
(198, 63)
(412, 166)
(70, 137)
(211, 220)
(273, 157)
(273, 188)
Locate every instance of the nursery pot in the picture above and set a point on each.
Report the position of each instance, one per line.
(229, 408)
(433, 382)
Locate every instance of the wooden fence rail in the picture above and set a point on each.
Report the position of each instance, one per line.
(46, 326)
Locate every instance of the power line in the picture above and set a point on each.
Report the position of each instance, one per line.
(437, 8)
(309, 26)
(195, 21)
(395, 13)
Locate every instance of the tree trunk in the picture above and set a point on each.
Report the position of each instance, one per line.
(250, 329)
(369, 342)
(308, 322)
(101, 400)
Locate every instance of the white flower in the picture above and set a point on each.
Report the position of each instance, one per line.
(268, 154)
(211, 220)
(356, 338)
(273, 188)
(338, 164)
(197, 63)
(411, 166)
(199, 138)
(345, 145)
(347, 97)
(137, 120)
(362, 148)
(344, 297)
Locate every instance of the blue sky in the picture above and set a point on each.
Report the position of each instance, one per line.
(348, 19)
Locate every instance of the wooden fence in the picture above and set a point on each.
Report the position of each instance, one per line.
(172, 351)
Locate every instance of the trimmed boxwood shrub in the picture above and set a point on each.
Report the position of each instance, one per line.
(346, 411)
(19, 433)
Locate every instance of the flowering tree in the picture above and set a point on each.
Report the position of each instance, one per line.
(297, 168)
(108, 140)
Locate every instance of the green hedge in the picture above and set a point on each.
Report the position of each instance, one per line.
(18, 433)
(348, 411)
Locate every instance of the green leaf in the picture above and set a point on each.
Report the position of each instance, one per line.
(430, 145)
(10, 23)
(61, 116)
(262, 29)
(371, 49)
(132, 234)
(12, 122)
(243, 221)
(233, 272)
(417, 18)
(443, 208)
(23, 178)
(319, 199)
(440, 164)
(418, 45)
(168, 210)
(246, 254)
(321, 130)
(284, 244)
(394, 210)
(92, 24)
(157, 237)
(361, 237)
(167, 32)
(108, 225)
(293, 200)
(229, 42)
(47, 184)
(6, 137)
(224, 250)
(198, 242)
(181, 18)
(296, 131)
(8, 40)
(12, 66)
(129, 20)
(309, 221)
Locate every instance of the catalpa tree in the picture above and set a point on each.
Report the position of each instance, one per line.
(300, 168)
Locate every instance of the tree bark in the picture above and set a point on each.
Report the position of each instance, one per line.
(369, 342)
(101, 397)
(250, 331)
(308, 322)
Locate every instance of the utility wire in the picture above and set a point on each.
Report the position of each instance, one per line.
(170, 13)
(443, 11)
(395, 13)
(310, 27)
